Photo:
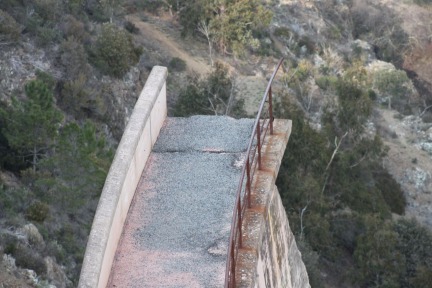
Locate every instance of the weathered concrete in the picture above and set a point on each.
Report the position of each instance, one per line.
(178, 226)
(270, 257)
(130, 159)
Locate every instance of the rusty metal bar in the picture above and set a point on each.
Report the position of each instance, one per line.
(270, 101)
(259, 145)
(248, 171)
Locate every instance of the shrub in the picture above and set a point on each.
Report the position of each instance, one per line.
(395, 86)
(177, 64)
(28, 259)
(391, 191)
(207, 96)
(10, 30)
(114, 51)
(380, 263)
(131, 27)
(73, 28)
(415, 243)
(38, 211)
(80, 100)
(73, 58)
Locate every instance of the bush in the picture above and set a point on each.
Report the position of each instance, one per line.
(73, 58)
(38, 211)
(415, 243)
(74, 28)
(131, 28)
(115, 52)
(177, 64)
(10, 30)
(390, 190)
(28, 259)
(380, 263)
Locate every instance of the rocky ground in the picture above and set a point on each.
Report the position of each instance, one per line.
(408, 137)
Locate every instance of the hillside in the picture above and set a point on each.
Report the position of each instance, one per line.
(355, 180)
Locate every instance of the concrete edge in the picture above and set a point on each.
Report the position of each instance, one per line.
(129, 161)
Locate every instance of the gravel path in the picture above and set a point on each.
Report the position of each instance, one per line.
(177, 230)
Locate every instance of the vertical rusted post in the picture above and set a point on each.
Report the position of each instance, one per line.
(259, 144)
(271, 110)
(239, 224)
(248, 182)
(233, 267)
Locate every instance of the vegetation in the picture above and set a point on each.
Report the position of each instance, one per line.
(63, 167)
(341, 201)
(114, 51)
(210, 96)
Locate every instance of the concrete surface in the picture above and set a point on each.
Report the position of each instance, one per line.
(177, 230)
(125, 172)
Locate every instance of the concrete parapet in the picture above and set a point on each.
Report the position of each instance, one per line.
(130, 159)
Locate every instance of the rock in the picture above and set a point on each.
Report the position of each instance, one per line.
(9, 262)
(55, 274)
(418, 177)
(32, 236)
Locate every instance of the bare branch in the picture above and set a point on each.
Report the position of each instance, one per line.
(336, 149)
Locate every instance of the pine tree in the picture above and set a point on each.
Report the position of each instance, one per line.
(31, 126)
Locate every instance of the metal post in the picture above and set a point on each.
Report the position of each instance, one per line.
(232, 280)
(248, 182)
(240, 224)
(271, 111)
(259, 144)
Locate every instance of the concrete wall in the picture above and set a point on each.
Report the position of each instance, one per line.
(270, 257)
(279, 260)
(129, 162)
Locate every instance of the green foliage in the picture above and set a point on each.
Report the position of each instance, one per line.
(390, 190)
(232, 23)
(10, 30)
(74, 28)
(355, 105)
(78, 169)
(79, 99)
(37, 211)
(379, 261)
(31, 125)
(73, 58)
(14, 201)
(177, 64)
(114, 51)
(26, 258)
(395, 86)
(415, 243)
(208, 96)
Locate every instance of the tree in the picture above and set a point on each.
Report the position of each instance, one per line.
(394, 85)
(213, 95)
(235, 22)
(232, 22)
(114, 51)
(80, 165)
(31, 126)
(379, 261)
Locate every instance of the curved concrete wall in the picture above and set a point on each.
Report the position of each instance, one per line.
(129, 162)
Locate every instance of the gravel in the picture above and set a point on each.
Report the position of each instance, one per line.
(179, 223)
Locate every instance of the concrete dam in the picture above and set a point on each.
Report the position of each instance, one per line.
(192, 202)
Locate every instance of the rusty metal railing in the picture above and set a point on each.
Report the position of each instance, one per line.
(263, 123)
